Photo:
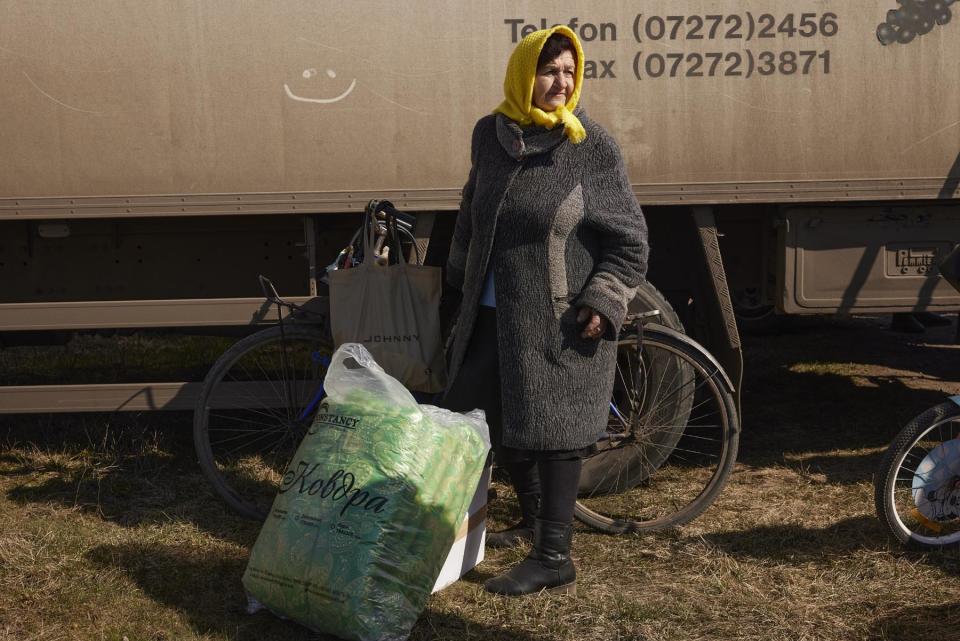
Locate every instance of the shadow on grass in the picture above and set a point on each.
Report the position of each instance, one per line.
(447, 627)
(862, 339)
(477, 576)
(798, 544)
(803, 407)
(136, 499)
(802, 544)
(205, 587)
(131, 470)
(829, 428)
(931, 622)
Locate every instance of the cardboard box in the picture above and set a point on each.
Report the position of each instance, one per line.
(467, 549)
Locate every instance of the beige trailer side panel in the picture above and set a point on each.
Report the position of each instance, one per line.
(868, 259)
(721, 101)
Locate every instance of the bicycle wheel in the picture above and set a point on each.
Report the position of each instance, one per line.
(594, 478)
(672, 438)
(917, 488)
(254, 409)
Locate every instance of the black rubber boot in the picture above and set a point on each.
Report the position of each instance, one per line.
(547, 567)
(519, 533)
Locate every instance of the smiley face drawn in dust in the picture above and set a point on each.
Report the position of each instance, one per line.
(313, 74)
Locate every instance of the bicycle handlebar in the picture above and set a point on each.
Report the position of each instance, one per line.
(641, 316)
(378, 207)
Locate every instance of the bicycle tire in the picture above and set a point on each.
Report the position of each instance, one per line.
(916, 481)
(674, 472)
(593, 478)
(248, 418)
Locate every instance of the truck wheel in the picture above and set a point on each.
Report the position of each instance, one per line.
(752, 314)
(595, 478)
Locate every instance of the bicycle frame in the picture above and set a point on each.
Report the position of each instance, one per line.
(389, 219)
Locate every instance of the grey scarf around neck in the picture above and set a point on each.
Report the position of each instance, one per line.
(522, 142)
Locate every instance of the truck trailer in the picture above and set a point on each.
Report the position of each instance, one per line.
(791, 158)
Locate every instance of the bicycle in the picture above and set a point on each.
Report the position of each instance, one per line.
(917, 489)
(257, 400)
(668, 449)
(672, 435)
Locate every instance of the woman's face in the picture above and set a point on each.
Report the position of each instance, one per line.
(555, 82)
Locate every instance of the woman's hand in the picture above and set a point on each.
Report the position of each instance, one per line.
(596, 324)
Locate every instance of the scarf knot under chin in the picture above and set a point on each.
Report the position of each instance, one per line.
(519, 81)
(573, 128)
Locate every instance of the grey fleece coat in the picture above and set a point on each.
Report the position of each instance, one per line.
(561, 228)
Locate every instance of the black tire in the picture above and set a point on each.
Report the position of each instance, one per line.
(673, 416)
(917, 487)
(649, 298)
(670, 471)
(249, 418)
(594, 478)
(756, 320)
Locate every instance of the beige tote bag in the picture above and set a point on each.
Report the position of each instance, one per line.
(393, 311)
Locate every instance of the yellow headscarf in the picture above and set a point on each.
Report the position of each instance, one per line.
(518, 86)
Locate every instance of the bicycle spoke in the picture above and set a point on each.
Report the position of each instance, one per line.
(240, 433)
(678, 444)
(251, 400)
(263, 389)
(258, 439)
(690, 394)
(914, 491)
(249, 376)
(235, 419)
(267, 415)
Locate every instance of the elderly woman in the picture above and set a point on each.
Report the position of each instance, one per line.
(549, 248)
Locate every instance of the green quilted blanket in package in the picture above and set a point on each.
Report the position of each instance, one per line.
(368, 507)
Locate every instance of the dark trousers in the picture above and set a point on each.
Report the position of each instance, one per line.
(552, 474)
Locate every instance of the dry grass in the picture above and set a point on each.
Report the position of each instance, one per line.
(108, 531)
(91, 358)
